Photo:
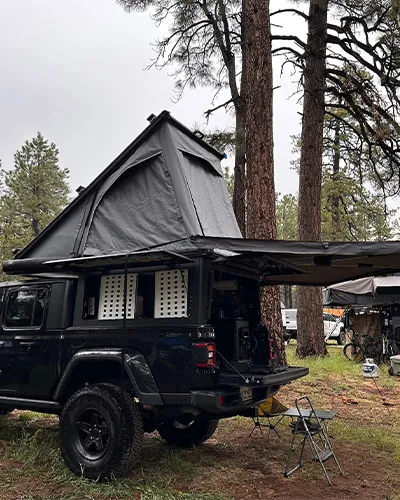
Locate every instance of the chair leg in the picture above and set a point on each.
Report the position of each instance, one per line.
(292, 448)
(257, 424)
(273, 426)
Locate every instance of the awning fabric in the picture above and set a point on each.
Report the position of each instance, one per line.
(164, 200)
(274, 261)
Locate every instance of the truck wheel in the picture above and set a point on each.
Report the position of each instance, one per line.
(342, 337)
(193, 433)
(100, 432)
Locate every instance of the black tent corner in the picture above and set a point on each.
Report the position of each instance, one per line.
(166, 185)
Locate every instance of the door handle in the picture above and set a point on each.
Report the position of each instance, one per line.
(27, 345)
(2, 343)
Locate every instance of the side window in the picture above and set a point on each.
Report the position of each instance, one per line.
(25, 308)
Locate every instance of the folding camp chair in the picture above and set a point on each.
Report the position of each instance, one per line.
(268, 410)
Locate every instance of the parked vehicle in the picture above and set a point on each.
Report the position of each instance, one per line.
(291, 323)
(333, 327)
(190, 351)
(285, 334)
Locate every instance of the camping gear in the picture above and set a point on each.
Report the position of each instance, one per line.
(278, 262)
(372, 291)
(268, 410)
(370, 369)
(395, 364)
(359, 349)
(164, 198)
(309, 426)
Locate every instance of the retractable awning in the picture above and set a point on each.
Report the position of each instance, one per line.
(95, 263)
(274, 261)
(299, 262)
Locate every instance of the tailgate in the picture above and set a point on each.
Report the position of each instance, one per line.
(281, 377)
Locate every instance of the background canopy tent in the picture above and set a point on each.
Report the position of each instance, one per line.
(372, 291)
(164, 200)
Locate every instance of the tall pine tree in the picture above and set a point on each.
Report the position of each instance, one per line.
(33, 193)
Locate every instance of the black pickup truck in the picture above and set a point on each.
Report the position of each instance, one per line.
(122, 345)
(142, 308)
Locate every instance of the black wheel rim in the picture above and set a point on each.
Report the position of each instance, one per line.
(92, 434)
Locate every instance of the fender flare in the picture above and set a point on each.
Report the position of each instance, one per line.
(135, 366)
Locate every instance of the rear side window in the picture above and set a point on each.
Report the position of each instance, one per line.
(25, 308)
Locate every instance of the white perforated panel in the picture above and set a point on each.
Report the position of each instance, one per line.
(171, 294)
(111, 304)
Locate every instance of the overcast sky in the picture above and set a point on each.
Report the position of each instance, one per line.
(75, 72)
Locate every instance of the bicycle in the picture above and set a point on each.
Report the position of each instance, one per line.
(390, 345)
(361, 347)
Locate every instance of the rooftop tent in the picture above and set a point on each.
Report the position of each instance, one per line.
(164, 200)
(167, 185)
(372, 291)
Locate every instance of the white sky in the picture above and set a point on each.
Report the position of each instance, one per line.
(75, 72)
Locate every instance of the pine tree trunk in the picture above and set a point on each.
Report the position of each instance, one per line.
(35, 226)
(335, 177)
(261, 217)
(239, 187)
(310, 333)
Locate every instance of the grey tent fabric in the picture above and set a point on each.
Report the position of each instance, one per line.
(139, 210)
(187, 146)
(166, 191)
(148, 195)
(364, 292)
(64, 240)
(206, 188)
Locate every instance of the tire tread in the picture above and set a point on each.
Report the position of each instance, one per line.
(129, 443)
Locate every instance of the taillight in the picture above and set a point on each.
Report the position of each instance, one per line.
(205, 354)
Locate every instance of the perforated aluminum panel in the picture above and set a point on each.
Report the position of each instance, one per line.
(111, 304)
(171, 294)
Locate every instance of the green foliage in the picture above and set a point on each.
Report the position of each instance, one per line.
(286, 217)
(230, 181)
(33, 193)
(223, 140)
(355, 185)
(362, 214)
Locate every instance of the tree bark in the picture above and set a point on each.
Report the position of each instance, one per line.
(288, 296)
(239, 187)
(261, 216)
(224, 42)
(335, 177)
(310, 333)
(35, 226)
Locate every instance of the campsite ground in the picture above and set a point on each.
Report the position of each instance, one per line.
(232, 465)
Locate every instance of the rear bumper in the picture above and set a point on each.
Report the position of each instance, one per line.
(227, 401)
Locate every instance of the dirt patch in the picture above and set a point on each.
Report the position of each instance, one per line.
(239, 466)
(249, 468)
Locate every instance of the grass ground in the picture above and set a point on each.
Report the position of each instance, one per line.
(231, 465)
